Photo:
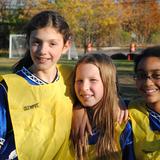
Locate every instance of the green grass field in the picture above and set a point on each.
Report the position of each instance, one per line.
(124, 70)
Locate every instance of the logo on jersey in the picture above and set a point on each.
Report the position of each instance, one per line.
(33, 106)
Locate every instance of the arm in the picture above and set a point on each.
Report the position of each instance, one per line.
(3, 119)
(126, 142)
(80, 124)
(7, 144)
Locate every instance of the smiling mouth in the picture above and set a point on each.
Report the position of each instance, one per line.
(150, 91)
(42, 60)
(86, 97)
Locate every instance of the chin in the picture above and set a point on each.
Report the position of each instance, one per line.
(87, 105)
(42, 67)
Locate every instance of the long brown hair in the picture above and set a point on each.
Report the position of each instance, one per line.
(105, 111)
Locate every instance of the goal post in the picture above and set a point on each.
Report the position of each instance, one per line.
(72, 52)
(17, 45)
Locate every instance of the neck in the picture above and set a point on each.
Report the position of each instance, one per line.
(155, 107)
(47, 76)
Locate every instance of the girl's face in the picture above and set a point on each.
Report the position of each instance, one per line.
(46, 46)
(148, 79)
(88, 84)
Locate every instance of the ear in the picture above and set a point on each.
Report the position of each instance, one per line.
(66, 46)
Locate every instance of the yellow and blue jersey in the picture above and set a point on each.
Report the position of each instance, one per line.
(141, 136)
(38, 111)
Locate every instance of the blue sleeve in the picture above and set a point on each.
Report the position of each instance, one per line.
(154, 121)
(126, 142)
(7, 143)
(3, 117)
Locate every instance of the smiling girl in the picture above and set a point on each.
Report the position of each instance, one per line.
(143, 129)
(95, 88)
(35, 107)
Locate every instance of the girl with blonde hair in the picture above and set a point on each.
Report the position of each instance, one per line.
(95, 88)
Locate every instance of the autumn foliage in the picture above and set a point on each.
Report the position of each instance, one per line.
(101, 22)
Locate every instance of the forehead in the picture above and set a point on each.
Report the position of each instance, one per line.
(46, 32)
(149, 64)
(87, 69)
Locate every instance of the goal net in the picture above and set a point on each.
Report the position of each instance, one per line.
(17, 45)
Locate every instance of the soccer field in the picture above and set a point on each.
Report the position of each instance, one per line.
(124, 70)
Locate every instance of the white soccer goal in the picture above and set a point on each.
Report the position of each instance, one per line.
(17, 46)
(72, 52)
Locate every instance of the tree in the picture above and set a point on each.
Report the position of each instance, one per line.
(90, 19)
(14, 15)
(142, 18)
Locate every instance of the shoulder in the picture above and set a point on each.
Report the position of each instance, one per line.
(65, 71)
(8, 76)
(11, 80)
(3, 85)
(138, 109)
(64, 68)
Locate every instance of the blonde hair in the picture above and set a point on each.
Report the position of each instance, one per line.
(104, 112)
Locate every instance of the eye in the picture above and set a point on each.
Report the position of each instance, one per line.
(156, 75)
(93, 80)
(52, 43)
(35, 43)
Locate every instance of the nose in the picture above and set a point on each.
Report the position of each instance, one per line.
(85, 86)
(148, 77)
(43, 49)
(148, 80)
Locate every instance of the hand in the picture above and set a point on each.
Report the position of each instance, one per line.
(80, 124)
(81, 150)
(122, 112)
